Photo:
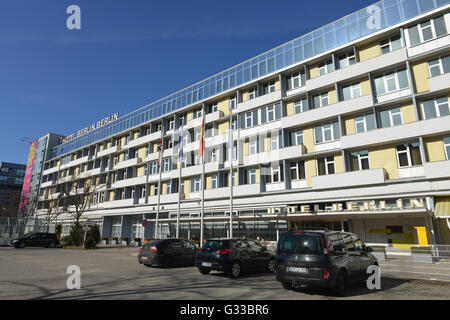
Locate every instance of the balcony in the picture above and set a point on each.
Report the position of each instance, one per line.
(214, 116)
(299, 184)
(129, 182)
(358, 69)
(437, 169)
(261, 129)
(439, 83)
(238, 191)
(75, 163)
(327, 146)
(349, 179)
(428, 46)
(118, 203)
(108, 151)
(169, 198)
(275, 186)
(50, 171)
(397, 133)
(410, 172)
(65, 179)
(330, 111)
(258, 102)
(275, 155)
(47, 184)
(394, 95)
(295, 92)
(127, 163)
(85, 174)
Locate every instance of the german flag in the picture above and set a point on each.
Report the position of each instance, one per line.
(202, 138)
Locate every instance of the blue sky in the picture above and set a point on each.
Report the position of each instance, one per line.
(127, 54)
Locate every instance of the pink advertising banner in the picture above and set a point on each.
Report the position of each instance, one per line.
(26, 183)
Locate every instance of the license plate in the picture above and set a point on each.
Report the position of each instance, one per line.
(206, 264)
(144, 258)
(299, 270)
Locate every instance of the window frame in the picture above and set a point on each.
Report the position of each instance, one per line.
(408, 154)
(436, 107)
(327, 162)
(360, 159)
(295, 166)
(446, 147)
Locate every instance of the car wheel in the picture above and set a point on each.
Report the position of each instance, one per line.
(341, 284)
(204, 271)
(21, 245)
(287, 285)
(235, 270)
(271, 266)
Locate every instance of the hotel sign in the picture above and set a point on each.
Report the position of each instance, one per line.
(92, 127)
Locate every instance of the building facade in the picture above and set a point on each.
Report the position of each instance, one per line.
(346, 127)
(11, 181)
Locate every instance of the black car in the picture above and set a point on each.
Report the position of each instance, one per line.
(233, 256)
(322, 258)
(40, 239)
(167, 253)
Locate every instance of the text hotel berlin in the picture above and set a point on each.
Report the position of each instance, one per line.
(346, 127)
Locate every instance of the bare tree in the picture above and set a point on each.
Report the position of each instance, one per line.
(76, 196)
(54, 209)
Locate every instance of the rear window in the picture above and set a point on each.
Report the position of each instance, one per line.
(301, 243)
(153, 243)
(216, 244)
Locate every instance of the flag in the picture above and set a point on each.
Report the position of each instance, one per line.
(202, 134)
(180, 144)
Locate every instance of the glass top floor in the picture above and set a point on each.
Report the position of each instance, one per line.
(379, 16)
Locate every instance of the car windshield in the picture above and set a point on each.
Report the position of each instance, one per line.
(30, 235)
(301, 243)
(215, 244)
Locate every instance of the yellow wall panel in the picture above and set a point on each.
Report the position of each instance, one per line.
(313, 72)
(369, 52)
(339, 164)
(350, 126)
(277, 84)
(141, 153)
(140, 171)
(332, 97)
(258, 176)
(310, 168)
(223, 127)
(208, 182)
(365, 87)
(290, 109)
(385, 158)
(246, 148)
(420, 76)
(308, 139)
(408, 113)
(244, 95)
(435, 149)
(189, 116)
(224, 106)
(187, 188)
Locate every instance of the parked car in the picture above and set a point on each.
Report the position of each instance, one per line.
(233, 256)
(322, 258)
(39, 239)
(167, 253)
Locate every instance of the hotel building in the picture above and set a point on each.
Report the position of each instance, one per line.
(346, 127)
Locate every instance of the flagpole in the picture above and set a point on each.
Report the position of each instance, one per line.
(231, 143)
(180, 157)
(202, 145)
(161, 150)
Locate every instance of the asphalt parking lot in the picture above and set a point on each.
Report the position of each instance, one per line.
(114, 273)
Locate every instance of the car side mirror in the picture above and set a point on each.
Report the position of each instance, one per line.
(369, 249)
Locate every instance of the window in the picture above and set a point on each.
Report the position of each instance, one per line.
(298, 170)
(409, 155)
(168, 187)
(197, 113)
(143, 191)
(327, 132)
(320, 100)
(435, 108)
(251, 176)
(439, 66)
(390, 44)
(5, 169)
(325, 165)
(275, 142)
(214, 181)
(214, 108)
(275, 176)
(325, 67)
(296, 137)
(233, 103)
(301, 106)
(295, 80)
(427, 30)
(154, 167)
(253, 146)
(195, 184)
(346, 60)
(447, 147)
(391, 117)
(271, 113)
(252, 93)
(391, 82)
(365, 123)
(171, 124)
(213, 155)
(167, 164)
(269, 87)
(359, 160)
(351, 91)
